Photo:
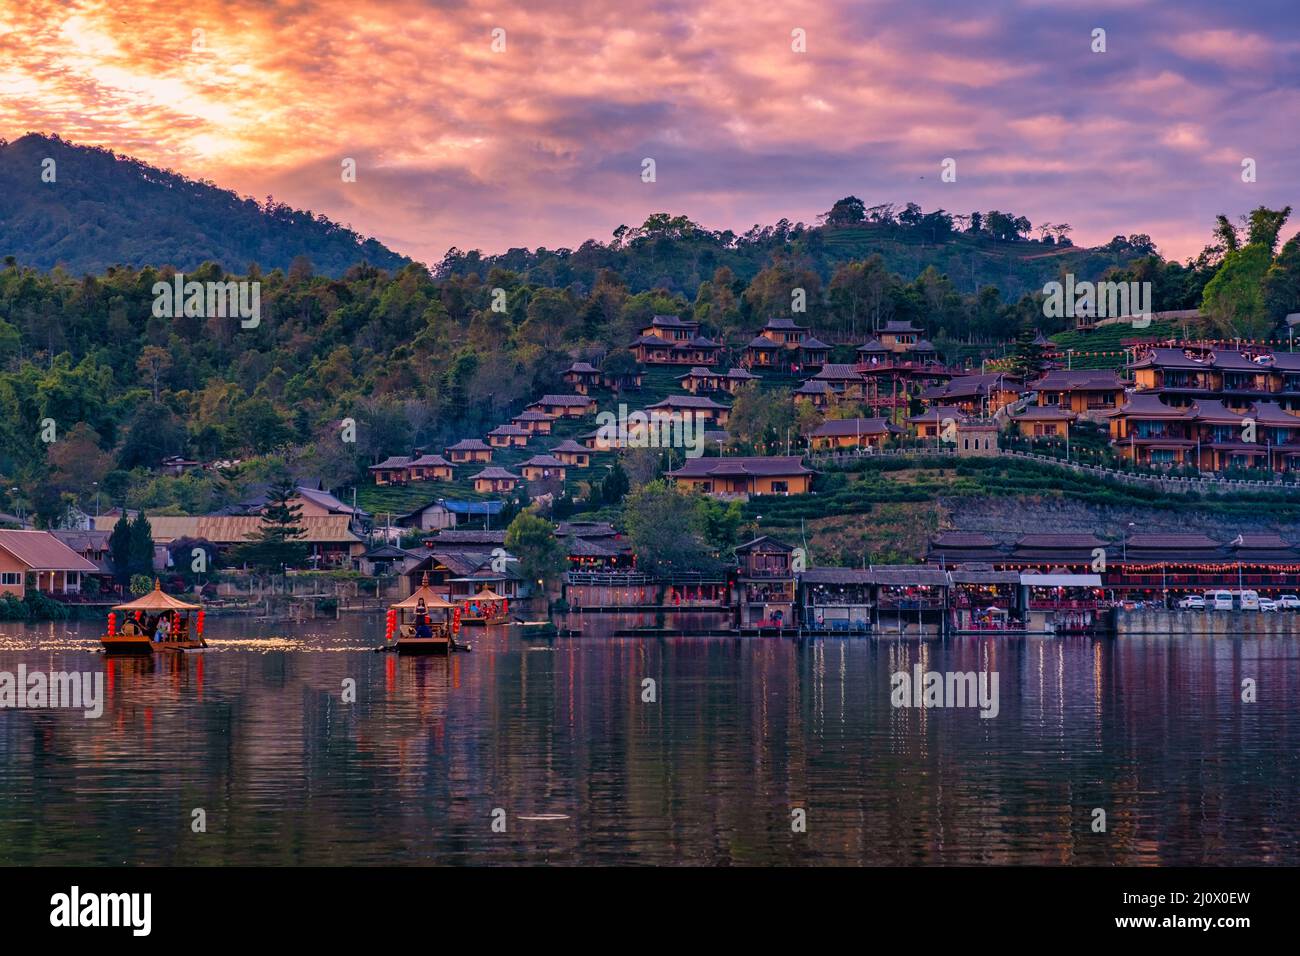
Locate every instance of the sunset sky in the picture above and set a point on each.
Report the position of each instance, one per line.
(542, 144)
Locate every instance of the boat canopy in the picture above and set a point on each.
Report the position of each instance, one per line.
(487, 594)
(155, 601)
(431, 598)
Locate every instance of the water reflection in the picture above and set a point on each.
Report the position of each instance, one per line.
(256, 732)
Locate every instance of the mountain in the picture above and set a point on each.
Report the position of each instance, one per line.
(104, 209)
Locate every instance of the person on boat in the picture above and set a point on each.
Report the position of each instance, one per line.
(422, 626)
(164, 630)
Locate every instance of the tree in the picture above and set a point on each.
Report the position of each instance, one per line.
(719, 524)
(141, 546)
(119, 549)
(1281, 287)
(1263, 226)
(153, 362)
(615, 485)
(278, 541)
(849, 211)
(1233, 299)
(532, 540)
(661, 524)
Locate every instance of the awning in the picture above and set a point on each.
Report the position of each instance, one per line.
(1061, 580)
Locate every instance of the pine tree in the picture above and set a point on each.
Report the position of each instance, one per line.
(119, 547)
(141, 559)
(278, 542)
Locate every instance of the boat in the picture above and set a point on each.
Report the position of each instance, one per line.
(424, 623)
(486, 607)
(142, 629)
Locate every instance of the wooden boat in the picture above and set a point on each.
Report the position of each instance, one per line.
(486, 607)
(142, 631)
(424, 623)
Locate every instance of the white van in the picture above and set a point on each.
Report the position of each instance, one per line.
(1247, 600)
(1218, 600)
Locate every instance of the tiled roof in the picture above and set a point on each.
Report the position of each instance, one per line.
(774, 466)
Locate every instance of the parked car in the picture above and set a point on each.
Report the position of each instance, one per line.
(1193, 602)
(1289, 602)
(1218, 600)
(1267, 604)
(1247, 600)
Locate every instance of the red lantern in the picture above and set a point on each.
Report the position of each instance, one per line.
(112, 624)
(199, 623)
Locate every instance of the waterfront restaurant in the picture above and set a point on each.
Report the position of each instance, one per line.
(1066, 602)
(836, 599)
(984, 598)
(765, 584)
(910, 596)
(741, 477)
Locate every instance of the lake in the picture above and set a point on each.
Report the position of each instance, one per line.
(741, 733)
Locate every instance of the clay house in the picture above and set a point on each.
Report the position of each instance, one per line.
(622, 381)
(52, 567)
(985, 394)
(393, 470)
(508, 436)
(851, 433)
(737, 378)
(819, 394)
(1147, 431)
(872, 353)
(571, 453)
(934, 422)
(543, 468)
(900, 337)
(845, 380)
(469, 450)
(582, 377)
(428, 468)
(705, 410)
(1090, 393)
(669, 340)
(535, 423)
(1043, 421)
(813, 353)
(700, 380)
(762, 352)
(743, 477)
(495, 480)
(564, 406)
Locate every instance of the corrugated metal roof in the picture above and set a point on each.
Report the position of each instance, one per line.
(236, 529)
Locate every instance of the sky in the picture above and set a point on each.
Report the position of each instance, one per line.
(542, 143)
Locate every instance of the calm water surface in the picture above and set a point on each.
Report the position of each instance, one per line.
(254, 731)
